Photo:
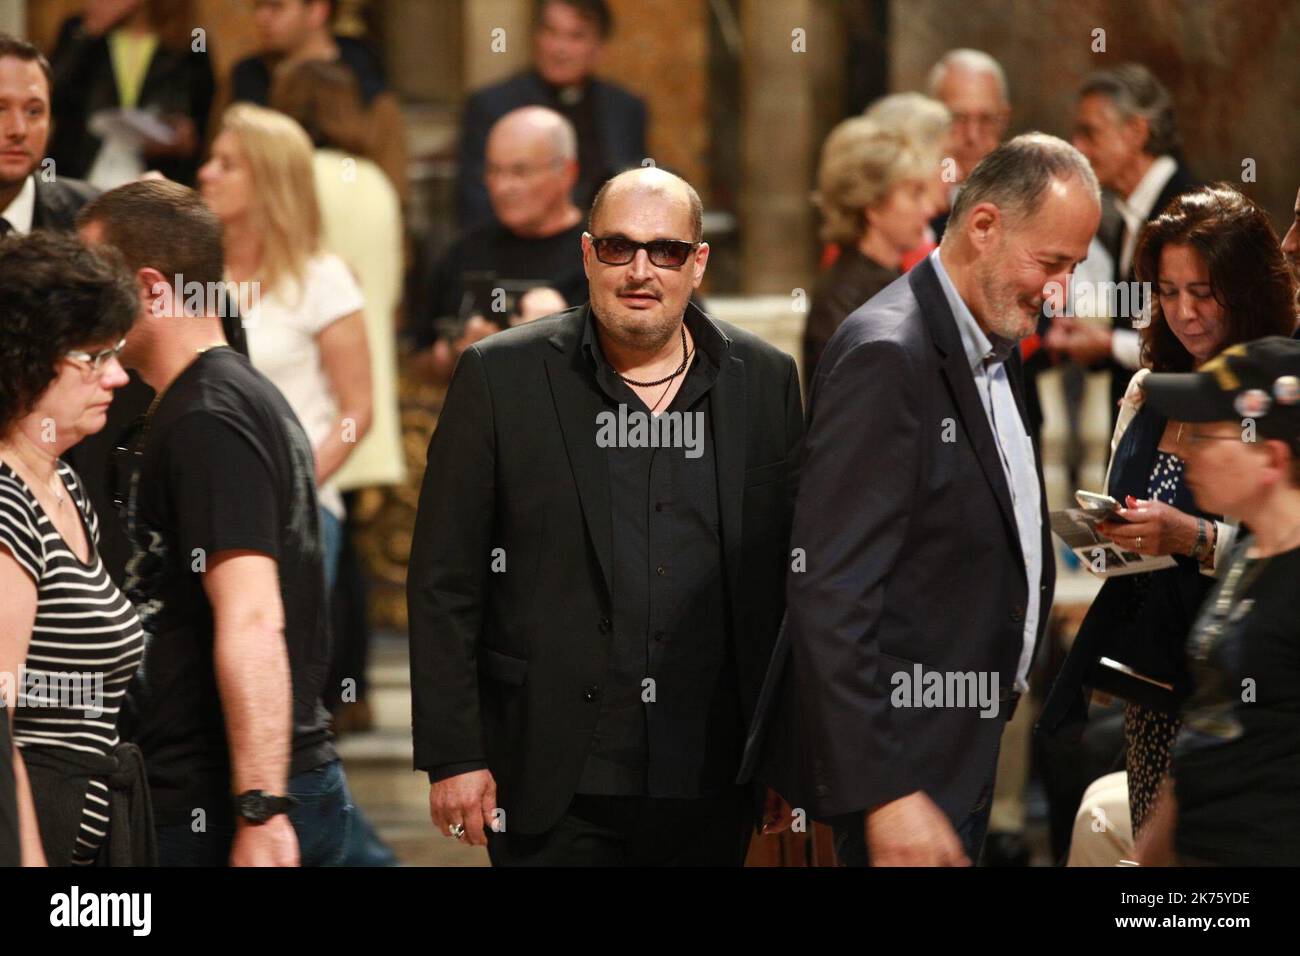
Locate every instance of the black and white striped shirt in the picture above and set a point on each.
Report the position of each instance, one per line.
(85, 647)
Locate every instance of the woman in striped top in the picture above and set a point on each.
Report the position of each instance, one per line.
(69, 641)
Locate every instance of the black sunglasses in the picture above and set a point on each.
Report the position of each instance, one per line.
(619, 250)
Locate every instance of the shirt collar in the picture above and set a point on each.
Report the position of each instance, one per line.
(21, 213)
(711, 341)
(1140, 203)
(980, 346)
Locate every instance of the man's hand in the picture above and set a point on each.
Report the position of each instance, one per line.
(912, 831)
(273, 843)
(469, 799)
(777, 814)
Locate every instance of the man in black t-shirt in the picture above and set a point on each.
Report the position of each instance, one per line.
(218, 497)
(535, 241)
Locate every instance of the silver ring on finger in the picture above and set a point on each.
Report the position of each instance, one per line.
(456, 830)
(1139, 542)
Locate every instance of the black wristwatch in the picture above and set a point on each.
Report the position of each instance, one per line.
(258, 806)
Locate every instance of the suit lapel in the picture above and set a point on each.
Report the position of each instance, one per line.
(578, 400)
(727, 410)
(961, 383)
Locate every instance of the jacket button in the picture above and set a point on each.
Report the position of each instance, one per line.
(592, 693)
(1018, 613)
(605, 625)
(659, 635)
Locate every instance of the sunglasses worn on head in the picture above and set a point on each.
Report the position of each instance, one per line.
(619, 250)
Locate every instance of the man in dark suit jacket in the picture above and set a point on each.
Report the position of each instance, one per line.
(610, 122)
(1125, 125)
(592, 609)
(928, 572)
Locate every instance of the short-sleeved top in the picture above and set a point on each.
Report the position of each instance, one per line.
(1237, 757)
(223, 466)
(86, 642)
(282, 328)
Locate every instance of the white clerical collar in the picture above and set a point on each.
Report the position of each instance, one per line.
(21, 212)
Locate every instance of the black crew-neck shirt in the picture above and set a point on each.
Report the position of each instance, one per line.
(1237, 756)
(223, 466)
(491, 257)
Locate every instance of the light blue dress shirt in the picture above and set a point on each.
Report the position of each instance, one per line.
(1015, 448)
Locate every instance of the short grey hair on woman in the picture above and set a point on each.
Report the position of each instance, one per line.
(1015, 176)
(975, 61)
(861, 162)
(1136, 92)
(920, 118)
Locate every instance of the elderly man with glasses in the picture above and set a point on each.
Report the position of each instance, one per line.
(529, 252)
(595, 585)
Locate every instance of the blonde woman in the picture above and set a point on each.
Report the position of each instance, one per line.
(874, 189)
(928, 124)
(306, 331)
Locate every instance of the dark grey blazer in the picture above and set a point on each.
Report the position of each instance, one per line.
(912, 556)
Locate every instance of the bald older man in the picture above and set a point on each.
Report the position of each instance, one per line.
(535, 241)
(595, 585)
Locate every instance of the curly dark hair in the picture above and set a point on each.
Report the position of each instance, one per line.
(1248, 272)
(59, 296)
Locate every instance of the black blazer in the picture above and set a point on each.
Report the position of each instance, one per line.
(502, 663)
(1142, 620)
(58, 202)
(176, 82)
(620, 119)
(912, 556)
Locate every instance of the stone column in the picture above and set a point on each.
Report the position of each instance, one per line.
(496, 39)
(788, 48)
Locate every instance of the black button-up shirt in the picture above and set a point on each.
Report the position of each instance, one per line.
(669, 722)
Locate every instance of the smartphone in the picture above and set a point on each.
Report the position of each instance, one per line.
(1103, 506)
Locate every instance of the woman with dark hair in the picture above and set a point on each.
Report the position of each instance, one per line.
(64, 625)
(1218, 278)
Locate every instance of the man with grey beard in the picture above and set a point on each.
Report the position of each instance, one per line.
(923, 518)
(591, 612)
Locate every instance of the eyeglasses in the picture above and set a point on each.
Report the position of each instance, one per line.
(98, 360)
(519, 170)
(619, 250)
(1193, 437)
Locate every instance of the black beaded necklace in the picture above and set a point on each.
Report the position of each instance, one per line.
(667, 378)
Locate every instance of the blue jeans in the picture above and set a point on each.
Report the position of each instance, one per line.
(331, 538)
(323, 821)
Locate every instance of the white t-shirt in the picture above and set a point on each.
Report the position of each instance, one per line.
(282, 328)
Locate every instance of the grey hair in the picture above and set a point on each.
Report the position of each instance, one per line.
(1136, 92)
(1015, 176)
(976, 61)
(920, 118)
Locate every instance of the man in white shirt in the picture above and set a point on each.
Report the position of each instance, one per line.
(1124, 123)
(31, 197)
